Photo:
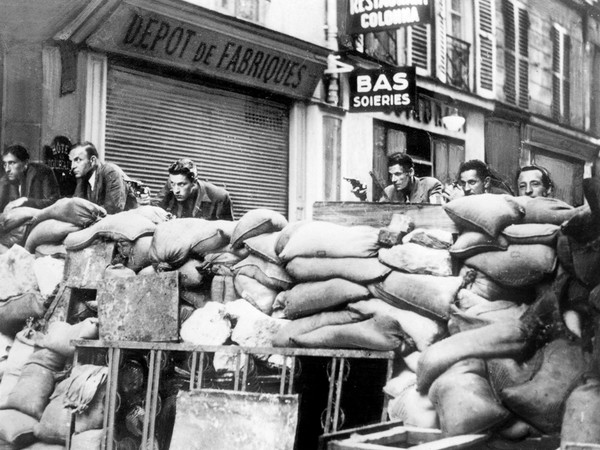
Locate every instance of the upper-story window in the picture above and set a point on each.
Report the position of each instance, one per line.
(251, 10)
(516, 53)
(561, 68)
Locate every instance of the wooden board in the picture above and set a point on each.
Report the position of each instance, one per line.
(85, 268)
(379, 214)
(226, 420)
(140, 308)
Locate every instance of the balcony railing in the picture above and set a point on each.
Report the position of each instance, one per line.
(458, 56)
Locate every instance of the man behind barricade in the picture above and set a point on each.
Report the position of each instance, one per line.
(534, 181)
(474, 178)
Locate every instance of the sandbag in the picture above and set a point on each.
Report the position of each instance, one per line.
(540, 401)
(312, 297)
(126, 225)
(432, 238)
(222, 289)
(191, 274)
(286, 233)
(483, 286)
(176, 239)
(44, 446)
(59, 335)
(503, 373)
(55, 423)
(424, 294)
(471, 243)
(581, 419)
(16, 272)
(54, 250)
(88, 440)
(16, 428)
(413, 409)
(154, 213)
(422, 330)
(497, 340)
(532, 233)
(49, 231)
(480, 315)
(206, 326)
(16, 236)
(256, 222)
(586, 260)
(487, 213)
(22, 348)
(414, 258)
(306, 324)
(16, 217)
(545, 209)
(395, 386)
(77, 211)
(381, 333)
(267, 273)
(92, 417)
(325, 239)
(259, 295)
(519, 265)
(15, 311)
(358, 270)
(118, 271)
(48, 273)
(225, 258)
(464, 400)
(264, 246)
(137, 253)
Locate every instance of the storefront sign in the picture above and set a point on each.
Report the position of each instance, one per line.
(383, 90)
(140, 33)
(378, 15)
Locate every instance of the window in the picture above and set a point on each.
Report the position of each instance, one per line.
(251, 10)
(332, 137)
(458, 45)
(516, 54)
(561, 55)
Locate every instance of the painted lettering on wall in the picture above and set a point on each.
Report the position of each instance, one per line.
(378, 15)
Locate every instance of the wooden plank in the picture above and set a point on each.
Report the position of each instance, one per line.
(386, 437)
(380, 214)
(453, 443)
(225, 420)
(85, 268)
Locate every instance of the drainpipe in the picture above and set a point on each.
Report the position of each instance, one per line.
(331, 34)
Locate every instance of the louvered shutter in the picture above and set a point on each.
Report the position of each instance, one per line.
(440, 40)
(238, 142)
(420, 44)
(566, 77)
(485, 60)
(510, 62)
(523, 53)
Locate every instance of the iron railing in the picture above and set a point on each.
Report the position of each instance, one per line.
(458, 56)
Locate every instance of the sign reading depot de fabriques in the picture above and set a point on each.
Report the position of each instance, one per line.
(212, 48)
(393, 89)
(379, 15)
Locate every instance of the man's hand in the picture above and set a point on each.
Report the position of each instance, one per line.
(452, 192)
(15, 203)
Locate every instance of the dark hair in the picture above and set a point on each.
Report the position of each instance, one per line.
(90, 149)
(482, 169)
(183, 167)
(546, 180)
(402, 159)
(18, 151)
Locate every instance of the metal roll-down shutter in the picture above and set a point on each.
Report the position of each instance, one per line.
(238, 142)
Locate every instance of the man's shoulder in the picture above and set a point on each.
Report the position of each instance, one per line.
(213, 191)
(430, 182)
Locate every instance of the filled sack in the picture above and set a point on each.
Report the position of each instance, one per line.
(486, 213)
(88, 440)
(267, 273)
(286, 233)
(325, 239)
(519, 265)
(16, 428)
(136, 254)
(263, 246)
(222, 289)
(471, 243)
(54, 250)
(49, 231)
(191, 274)
(260, 296)
(480, 315)
(532, 233)
(55, 424)
(432, 238)
(424, 294)
(16, 272)
(59, 335)
(15, 311)
(118, 271)
(312, 297)
(77, 211)
(16, 217)
(480, 284)
(16, 236)
(545, 210)
(256, 222)
(206, 326)
(22, 348)
(358, 270)
(414, 258)
(581, 419)
(154, 213)
(413, 408)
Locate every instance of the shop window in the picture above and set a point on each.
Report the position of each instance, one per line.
(332, 164)
(561, 55)
(516, 53)
(449, 155)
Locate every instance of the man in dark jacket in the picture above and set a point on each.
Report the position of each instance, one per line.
(474, 178)
(25, 183)
(190, 197)
(101, 183)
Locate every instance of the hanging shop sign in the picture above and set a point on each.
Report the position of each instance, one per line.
(383, 89)
(237, 56)
(379, 15)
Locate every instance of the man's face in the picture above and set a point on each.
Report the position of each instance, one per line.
(14, 167)
(530, 184)
(399, 176)
(181, 186)
(81, 163)
(471, 184)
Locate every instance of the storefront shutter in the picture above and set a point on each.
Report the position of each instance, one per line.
(485, 59)
(239, 142)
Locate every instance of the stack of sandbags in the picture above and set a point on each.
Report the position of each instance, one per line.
(14, 225)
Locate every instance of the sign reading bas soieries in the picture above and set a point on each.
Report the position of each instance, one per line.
(378, 15)
(383, 89)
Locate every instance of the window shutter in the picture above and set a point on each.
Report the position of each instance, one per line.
(561, 67)
(510, 63)
(523, 51)
(419, 45)
(566, 77)
(485, 60)
(440, 40)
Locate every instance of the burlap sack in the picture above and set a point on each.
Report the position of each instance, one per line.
(22, 348)
(358, 270)
(88, 440)
(267, 273)
(309, 298)
(284, 338)
(256, 222)
(154, 213)
(196, 298)
(222, 289)
(16, 272)
(252, 290)
(55, 423)
(207, 326)
(15, 311)
(325, 239)
(286, 234)
(54, 250)
(480, 315)
(49, 231)
(59, 335)
(16, 236)
(395, 386)
(482, 285)
(414, 258)
(77, 211)
(471, 243)
(581, 419)
(487, 213)
(191, 274)
(16, 428)
(519, 265)
(432, 238)
(118, 271)
(424, 294)
(264, 246)
(545, 210)
(464, 400)
(532, 233)
(137, 253)
(92, 417)
(16, 217)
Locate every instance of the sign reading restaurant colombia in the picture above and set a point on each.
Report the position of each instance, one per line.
(378, 15)
(137, 32)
